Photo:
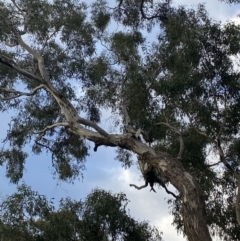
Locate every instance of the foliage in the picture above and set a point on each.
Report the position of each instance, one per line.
(26, 215)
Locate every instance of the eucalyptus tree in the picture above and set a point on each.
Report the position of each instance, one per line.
(174, 98)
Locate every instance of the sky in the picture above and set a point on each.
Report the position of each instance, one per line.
(102, 170)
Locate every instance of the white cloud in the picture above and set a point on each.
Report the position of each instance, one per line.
(169, 232)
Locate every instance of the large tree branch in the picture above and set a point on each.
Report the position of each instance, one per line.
(68, 109)
(81, 121)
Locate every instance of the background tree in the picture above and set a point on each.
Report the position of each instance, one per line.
(103, 216)
(174, 98)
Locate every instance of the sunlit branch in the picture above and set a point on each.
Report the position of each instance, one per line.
(49, 86)
(19, 93)
(80, 120)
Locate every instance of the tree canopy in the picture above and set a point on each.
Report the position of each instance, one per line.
(27, 215)
(174, 99)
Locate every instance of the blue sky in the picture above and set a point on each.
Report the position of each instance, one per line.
(102, 170)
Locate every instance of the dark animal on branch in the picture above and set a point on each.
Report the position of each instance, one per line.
(151, 179)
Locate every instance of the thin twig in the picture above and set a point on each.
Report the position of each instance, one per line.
(51, 127)
(19, 93)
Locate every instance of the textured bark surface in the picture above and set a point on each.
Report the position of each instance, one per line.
(193, 209)
(238, 203)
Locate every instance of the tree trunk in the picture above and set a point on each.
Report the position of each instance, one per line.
(238, 203)
(193, 208)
